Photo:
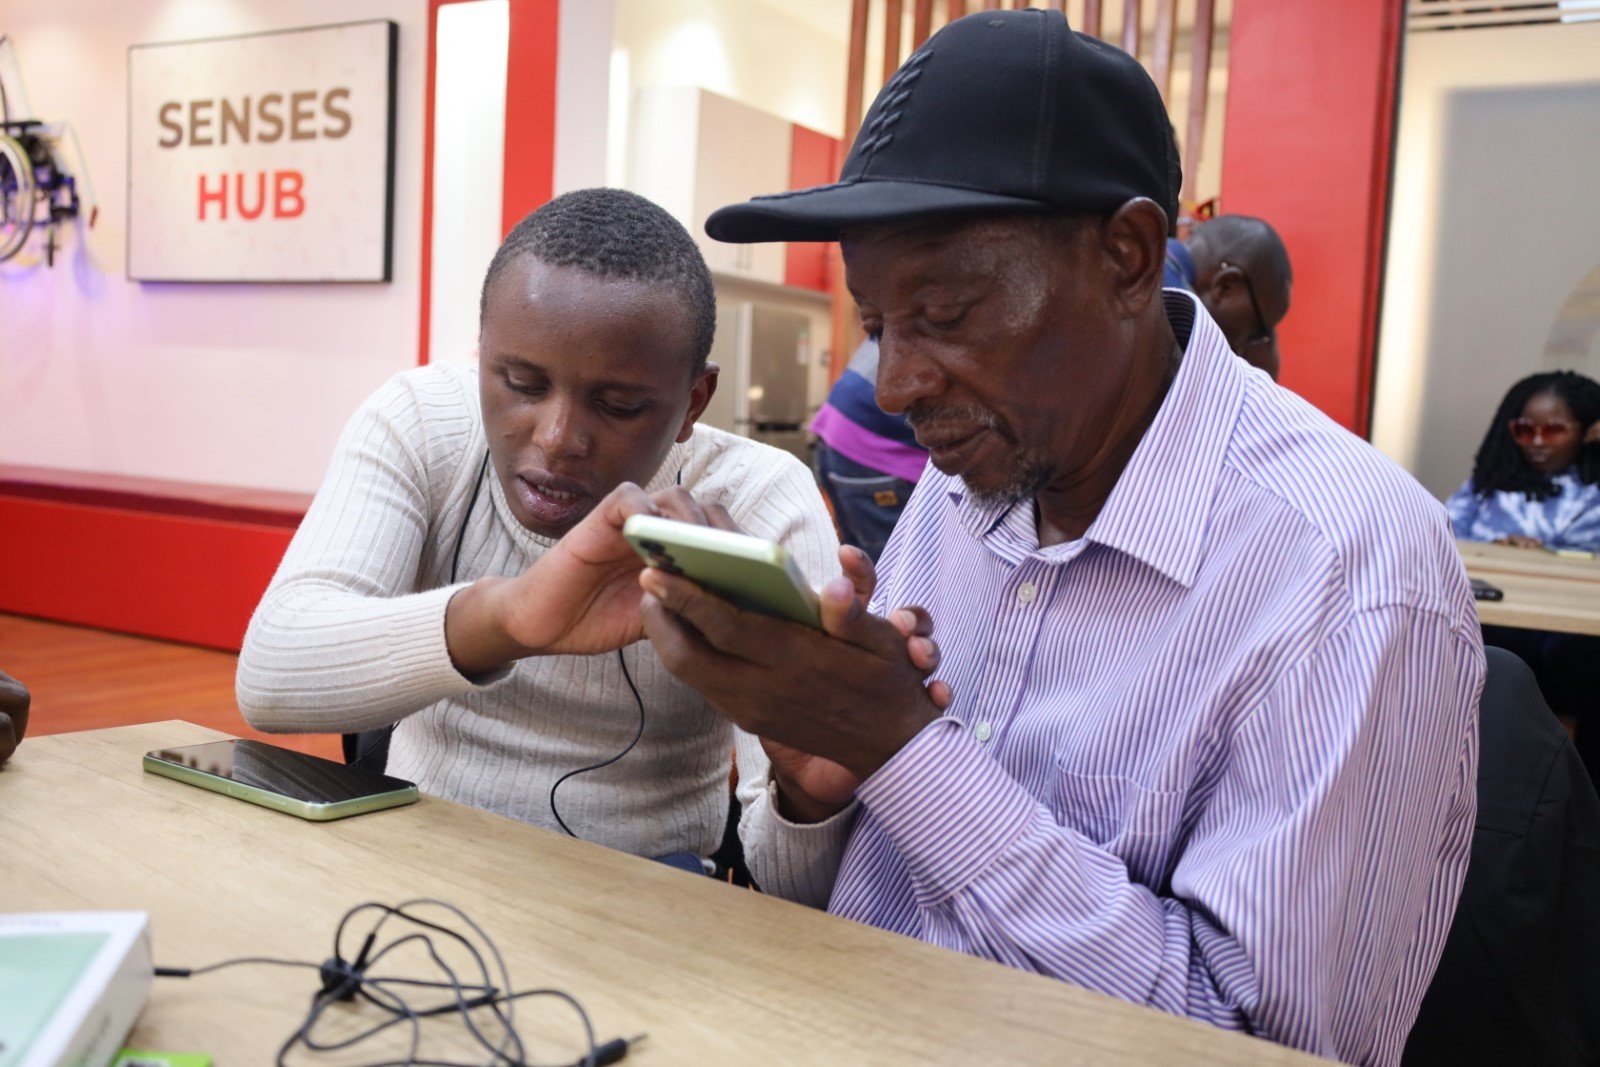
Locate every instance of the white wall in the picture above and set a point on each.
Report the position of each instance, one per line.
(1492, 225)
(469, 134)
(753, 53)
(583, 87)
(235, 384)
(469, 92)
(788, 57)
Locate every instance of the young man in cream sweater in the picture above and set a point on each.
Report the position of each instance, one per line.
(406, 598)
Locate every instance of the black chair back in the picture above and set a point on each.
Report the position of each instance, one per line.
(1519, 981)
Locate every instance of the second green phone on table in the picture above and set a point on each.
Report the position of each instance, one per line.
(291, 782)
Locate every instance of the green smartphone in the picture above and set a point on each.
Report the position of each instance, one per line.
(752, 574)
(283, 780)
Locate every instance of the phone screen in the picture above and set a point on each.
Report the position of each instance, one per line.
(280, 770)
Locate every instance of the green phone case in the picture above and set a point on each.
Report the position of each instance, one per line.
(752, 574)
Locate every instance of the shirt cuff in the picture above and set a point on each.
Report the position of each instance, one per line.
(948, 808)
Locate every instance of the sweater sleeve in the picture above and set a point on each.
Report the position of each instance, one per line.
(342, 641)
(778, 499)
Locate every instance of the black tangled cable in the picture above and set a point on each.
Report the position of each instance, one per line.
(484, 1001)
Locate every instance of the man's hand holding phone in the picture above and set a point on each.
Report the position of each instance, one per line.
(832, 706)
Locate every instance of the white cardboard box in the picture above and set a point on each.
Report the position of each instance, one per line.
(71, 985)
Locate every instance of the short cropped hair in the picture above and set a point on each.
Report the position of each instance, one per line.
(1243, 240)
(612, 233)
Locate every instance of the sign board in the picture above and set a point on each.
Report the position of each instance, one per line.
(263, 158)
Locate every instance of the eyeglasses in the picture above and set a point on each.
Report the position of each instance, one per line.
(1553, 431)
(1263, 334)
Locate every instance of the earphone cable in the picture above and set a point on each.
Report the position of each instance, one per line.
(461, 534)
(639, 701)
(344, 981)
(477, 958)
(455, 562)
(637, 734)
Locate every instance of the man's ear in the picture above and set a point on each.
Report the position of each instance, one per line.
(1224, 296)
(700, 394)
(1227, 281)
(1136, 238)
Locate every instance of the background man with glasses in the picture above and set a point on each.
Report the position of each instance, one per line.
(1241, 274)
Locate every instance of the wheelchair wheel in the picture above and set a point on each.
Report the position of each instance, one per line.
(16, 196)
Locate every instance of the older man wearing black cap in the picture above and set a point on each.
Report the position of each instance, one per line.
(1202, 733)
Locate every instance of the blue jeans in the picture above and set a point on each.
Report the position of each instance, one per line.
(683, 861)
(866, 503)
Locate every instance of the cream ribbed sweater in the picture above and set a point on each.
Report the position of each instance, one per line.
(350, 636)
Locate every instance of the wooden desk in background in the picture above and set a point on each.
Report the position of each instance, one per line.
(1542, 591)
(713, 974)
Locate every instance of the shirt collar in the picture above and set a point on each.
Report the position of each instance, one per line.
(1156, 511)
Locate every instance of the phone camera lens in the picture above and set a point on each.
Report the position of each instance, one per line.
(655, 548)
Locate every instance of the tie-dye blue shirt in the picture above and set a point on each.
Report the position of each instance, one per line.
(1568, 519)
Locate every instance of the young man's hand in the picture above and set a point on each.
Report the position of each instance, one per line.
(581, 597)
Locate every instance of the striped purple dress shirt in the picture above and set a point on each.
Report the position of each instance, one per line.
(1218, 755)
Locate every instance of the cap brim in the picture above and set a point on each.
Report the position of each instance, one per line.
(825, 212)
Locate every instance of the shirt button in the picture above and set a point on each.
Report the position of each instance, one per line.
(1026, 592)
(982, 731)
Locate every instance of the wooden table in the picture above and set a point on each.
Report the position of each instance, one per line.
(712, 973)
(1542, 591)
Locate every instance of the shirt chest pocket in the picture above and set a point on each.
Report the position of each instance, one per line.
(1138, 824)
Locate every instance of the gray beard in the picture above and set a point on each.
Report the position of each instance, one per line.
(1028, 476)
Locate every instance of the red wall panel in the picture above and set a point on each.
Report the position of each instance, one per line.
(1307, 146)
(530, 150)
(182, 579)
(814, 159)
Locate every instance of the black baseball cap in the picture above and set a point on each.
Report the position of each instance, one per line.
(999, 111)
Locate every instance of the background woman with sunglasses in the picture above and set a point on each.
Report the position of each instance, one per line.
(1534, 482)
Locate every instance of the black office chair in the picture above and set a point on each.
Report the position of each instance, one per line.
(1519, 981)
(370, 748)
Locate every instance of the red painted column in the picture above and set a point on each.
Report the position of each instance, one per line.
(530, 151)
(814, 159)
(1307, 146)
